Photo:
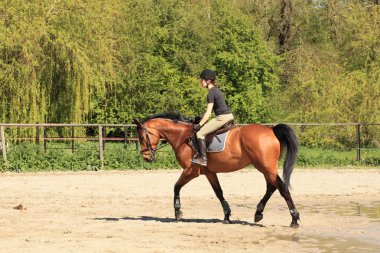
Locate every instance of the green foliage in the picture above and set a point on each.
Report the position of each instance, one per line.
(249, 72)
(314, 157)
(332, 72)
(29, 157)
(78, 61)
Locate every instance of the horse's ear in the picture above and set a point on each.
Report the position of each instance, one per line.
(137, 122)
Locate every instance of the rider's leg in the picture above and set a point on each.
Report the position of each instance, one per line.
(207, 128)
(201, 158)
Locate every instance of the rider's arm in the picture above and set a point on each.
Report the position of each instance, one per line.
(207, 114)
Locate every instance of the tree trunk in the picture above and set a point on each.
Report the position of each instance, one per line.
(333, 16)
(285, 25)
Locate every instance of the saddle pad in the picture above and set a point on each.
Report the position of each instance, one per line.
(216, 145)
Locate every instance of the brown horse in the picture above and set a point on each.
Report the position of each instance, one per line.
(254, 144)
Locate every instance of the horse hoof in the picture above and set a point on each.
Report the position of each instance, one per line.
(258, 217)
(294, 225)
(178, 216)
(226, 222)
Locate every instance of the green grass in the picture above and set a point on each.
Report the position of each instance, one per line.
(313, 157)
(29, 157)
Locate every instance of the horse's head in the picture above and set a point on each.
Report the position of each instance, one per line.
(148, 138)
(171, 127)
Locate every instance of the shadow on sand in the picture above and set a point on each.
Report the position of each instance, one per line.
(172, 220)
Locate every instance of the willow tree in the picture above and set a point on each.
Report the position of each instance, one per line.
(55, 55)
(21, 94)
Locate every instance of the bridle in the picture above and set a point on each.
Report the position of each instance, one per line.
(149, 146)
(148, 143)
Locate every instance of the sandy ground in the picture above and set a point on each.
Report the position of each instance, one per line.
(131, 211)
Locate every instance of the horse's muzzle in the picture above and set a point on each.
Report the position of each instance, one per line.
(150, 159)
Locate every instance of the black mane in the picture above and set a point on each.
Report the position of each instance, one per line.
(167, 115)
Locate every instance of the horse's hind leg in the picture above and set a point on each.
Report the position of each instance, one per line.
(186, 176)
(284, 191)
(274, 182)
(260, 207)
(213, 179)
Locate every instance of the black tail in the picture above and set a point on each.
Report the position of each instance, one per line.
(287, 137)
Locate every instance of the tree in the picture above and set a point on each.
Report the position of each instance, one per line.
(285, 25)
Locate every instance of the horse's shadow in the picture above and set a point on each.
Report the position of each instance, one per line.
(172, 220)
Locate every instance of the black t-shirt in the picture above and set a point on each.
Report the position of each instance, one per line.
(215, 96)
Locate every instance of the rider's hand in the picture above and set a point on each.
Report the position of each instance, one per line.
(196, 127)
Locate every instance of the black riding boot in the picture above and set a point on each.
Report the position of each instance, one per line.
(201, 158)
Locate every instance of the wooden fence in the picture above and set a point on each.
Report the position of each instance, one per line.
(101, 135)
(129, 129)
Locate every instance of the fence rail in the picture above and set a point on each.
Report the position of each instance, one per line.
(102, 138)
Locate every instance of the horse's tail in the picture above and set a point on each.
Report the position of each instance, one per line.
(287, 137)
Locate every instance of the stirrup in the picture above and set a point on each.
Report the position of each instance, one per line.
(200, 161)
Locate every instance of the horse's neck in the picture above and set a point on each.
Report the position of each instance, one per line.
(176, 134)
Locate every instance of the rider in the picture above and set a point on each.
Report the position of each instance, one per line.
(216, 104)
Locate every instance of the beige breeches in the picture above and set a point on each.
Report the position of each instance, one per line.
(214, 125)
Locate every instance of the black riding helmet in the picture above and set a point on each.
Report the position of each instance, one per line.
(208, 74)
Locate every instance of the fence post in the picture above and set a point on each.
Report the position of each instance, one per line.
(37, 134)
(126, 137)
(101, 146)
(72, 139)
(45, 137)
(358, 151)
(104, 130)
(3, 144)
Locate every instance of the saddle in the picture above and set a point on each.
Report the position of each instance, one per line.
(214, 135)
(226, 127)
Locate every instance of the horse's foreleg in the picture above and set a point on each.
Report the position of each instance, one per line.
(260, 207)
(284, 191)
(213, 179)
(186, 176)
